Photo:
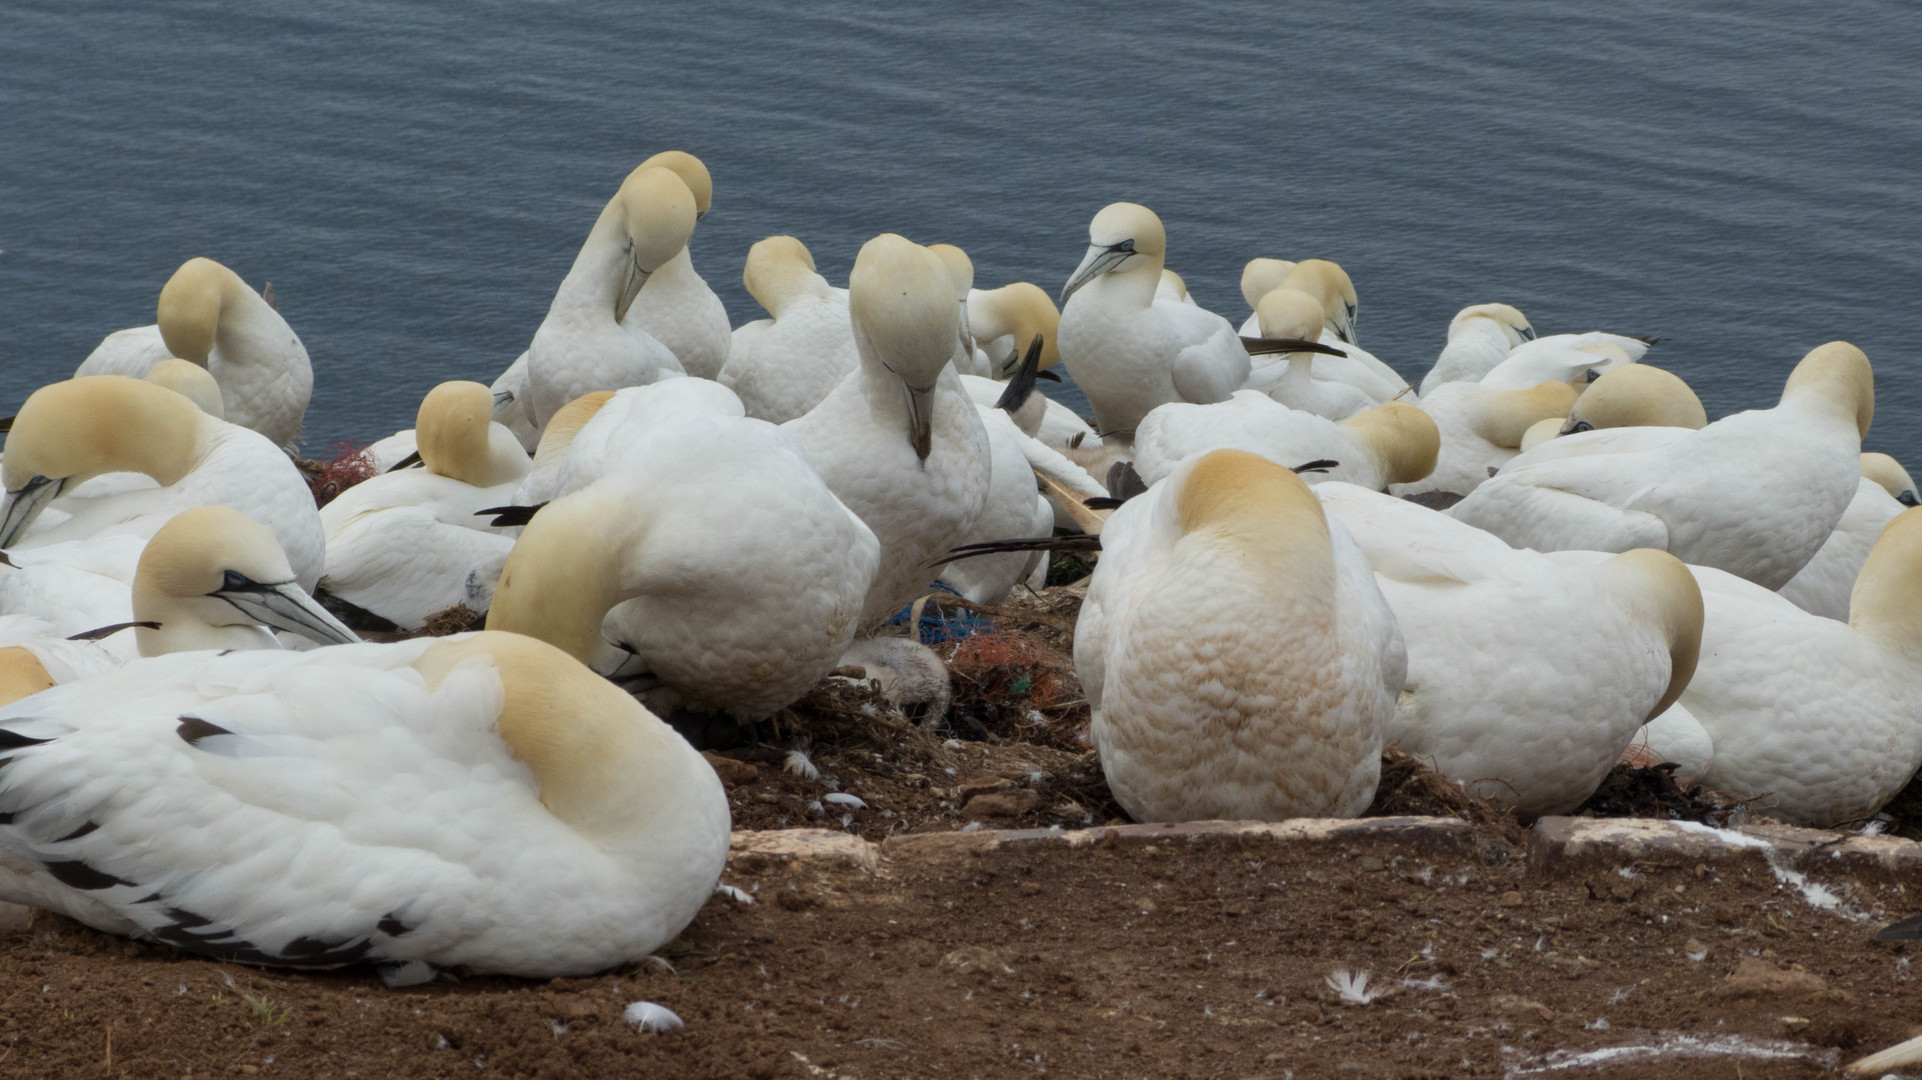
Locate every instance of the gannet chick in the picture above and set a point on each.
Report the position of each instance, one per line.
(783, 365)
(1288, 313)
(1388, 444)
(1482, 429)
(675, 305)
(405, 545)
(482, 803)
(68, 432)
(1238, 658)
(1127, 351)
(1755, 494)
(1479, 337)
(1823, 586)
(1819, 716)
(583, 344)
(898, 440)
(967, 359)
(191, 381)
(709, 559)
(209, 317)
(1005, 320)
(1491, 699)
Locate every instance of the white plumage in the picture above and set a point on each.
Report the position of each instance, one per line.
(1388, 444)
(785, 364)
(1823, 586)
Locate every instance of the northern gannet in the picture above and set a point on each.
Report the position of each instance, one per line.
(1482, 429)
(675, 305)
(191, 381)
(1479, 337)
(1823, 586)
(783, 365)
(1388, 444)
(1005, 320)
(968, 359)
(1289, 377)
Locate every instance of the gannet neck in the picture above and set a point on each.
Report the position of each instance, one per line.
(1263, 513)
(605, 765)
(1889, 473)
(1020, 310)
(1506, 320)
(81, 428)
(21, 674)
(692, 173)
(191, 381)
(1402, 438)
(558, 436)
(1887, 601)
(1261, 277)
(1834, 378)
(1504, 416)
(1637, 395)
(564, 573)
(779, 271)
(191, 306)
(645, 224)
(1660, 585)
(960, 267)
(453, 429)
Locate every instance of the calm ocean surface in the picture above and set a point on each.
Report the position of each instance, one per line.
(415, 178)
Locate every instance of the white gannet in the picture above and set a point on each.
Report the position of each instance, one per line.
(1259, 277)
(1479, 337)
(1006, 320)
(968, 359)
(1238, 658)
(783, 365)
(510, 405)
(208, 316)
(898, 440)
(1819, 715)
(1824, 585)
(1482, 429)
(583, 344)
(1388, 444)
(1327, 282)
(191, 381)
(1636, 395)
(596, 448)
(1014, 508)
(1576, 359)
(710, 552)
(1173, 288)
(1754, 494)
(407, 544)
(1127, 351)
(1288, 377)
(1527, 677)
(543, 480)
(675, 305)
(69, 432)
(483, 803)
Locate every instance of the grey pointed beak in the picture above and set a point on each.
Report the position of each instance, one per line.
(1098, 261)
(1527, 333)
(636, 277)
(920, 419)
(1908, 498)
(22, 506)
(286, 606)
(502, 399)
(1573, 427)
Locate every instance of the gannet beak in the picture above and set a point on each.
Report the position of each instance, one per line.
(1576, 426)
(1098, 261)
(24, 505)
(1527, 333)
(920, 419)
(1346, 331)
(1908, 498)
(631, 287)
(502, 399)
(284, 606)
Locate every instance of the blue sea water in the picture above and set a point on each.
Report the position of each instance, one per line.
(415, 178)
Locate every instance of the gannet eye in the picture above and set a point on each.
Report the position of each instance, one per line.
(1581, 425)
(1126, 245)
(1907, 498)
(233, 581)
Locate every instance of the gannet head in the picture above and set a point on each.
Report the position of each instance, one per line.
(1404, 439)
(21, 675)
(1174, 283)
(1258, 509)
(1504, 416)
(655, 212)
(1513, 323)
(1662, 582)
(191, 381)
(1123, 236)
(1636, 395)
(779, 269)
(568, 420)
(69, 432)
(190, 307)
(452, 430)
(1836, 374)
(901, 302)
(1021, 310)
(692, 173)
(1289, 313)
(1328, 282)
(215, 566)
(1541, 431)
(1887, 599)
(1261, 277)
(961, 269)
(1889, 473)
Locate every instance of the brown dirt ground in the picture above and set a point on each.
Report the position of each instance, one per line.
(1125, 960)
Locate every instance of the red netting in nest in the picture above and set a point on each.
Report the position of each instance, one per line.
(1007, 667)
(350, 464)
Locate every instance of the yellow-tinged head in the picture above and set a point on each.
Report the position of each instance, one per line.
(1889, 473)
(1123, 237)
(190, 307)
(901, 300)
(659, 213)
(1023, 310)
(213, 566)
(1836, 376)
(21, 675)
(1541, 431)
(1636, 395)
(191, 381)
(1261, 510)
(1887, 600)
(1289, 313)
(779, 268)
(1175, 282)
(1328, 282)
(1403, 438)
(1261, 277)
(960, 267)
(1661, 586)
(558, 436)
(1504, 416)
(452, 429)
(692, 173)
(564, 572)
(1513, 323)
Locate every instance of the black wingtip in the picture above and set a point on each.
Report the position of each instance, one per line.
(507, 516)
(1048, 375)
(111, 629)
(1102, 502)
(1021, 383)
(406, 462)
(1318, 465)
(1647, 339)
(1266, 346)
(1068, 542)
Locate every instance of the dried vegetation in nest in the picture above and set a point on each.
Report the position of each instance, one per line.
(1650, 791)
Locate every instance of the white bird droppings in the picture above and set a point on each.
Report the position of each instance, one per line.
(651, 1018)
(844, 799)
